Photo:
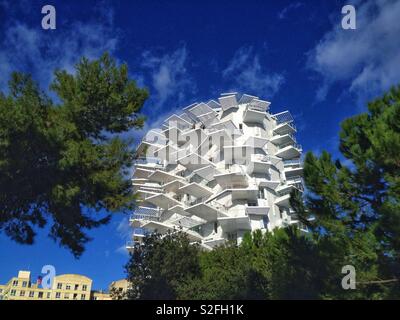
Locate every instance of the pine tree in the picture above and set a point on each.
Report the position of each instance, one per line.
(64, 161)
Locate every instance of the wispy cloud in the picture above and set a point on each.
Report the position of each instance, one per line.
(124, 231)
(291, 7)
(39, 52)
(246, 73)
(170, 79)
(368, 58)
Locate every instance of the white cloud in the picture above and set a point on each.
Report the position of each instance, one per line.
(284, 12)
(368, 58)
(246, 74)
(40, 52)
(169, 76)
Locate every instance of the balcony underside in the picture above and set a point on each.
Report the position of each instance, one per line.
(229, 224)
(290, 172)
(163, 201)
(282, 139)
(142, 173)
(288, 152)
(163, 177)
(283, 200)
(262, 211)
(269, 184)
(253, 116)
(231, 179)
(204, 211)
(284, 128)
(173, 186)
(194, 161)
(256, 166)
(257, 142)
(196, 190)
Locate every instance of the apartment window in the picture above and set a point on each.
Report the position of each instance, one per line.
(40, 295)
(48, 295)
(84, 287)
(58, 295)
(15, 283)
(22, 293)
(66, 296)
(76, 286)
(265, 222)
(68, 287)
(83, 296)
(75, 296)
(241, 126)
(24, 284)
(31, 294)
(59, 285)
(260, 193)
(13, 292)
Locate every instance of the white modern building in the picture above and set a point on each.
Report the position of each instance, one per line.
(216, 171)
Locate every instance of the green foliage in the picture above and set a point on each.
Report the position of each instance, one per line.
(160, 265)
(357, 207)
(65, 162)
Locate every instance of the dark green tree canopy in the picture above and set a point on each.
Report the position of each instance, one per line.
(65, 162)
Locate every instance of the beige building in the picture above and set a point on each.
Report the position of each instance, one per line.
(100, 295)
(64, 287)
(118, 288)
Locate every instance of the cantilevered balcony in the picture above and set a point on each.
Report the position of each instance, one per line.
(231, 224)
(194, 161)
(162, 200)
(153, 141)
(234, 176)
(284, 128)
(164, 176)
(287, 138)
(283, 200)
(207, 211)
(289, 151)
(143, 214)
(196, 189)
(228, 101)
(257, 210)
(259, 163)
(256, 141)
(255, 111)
(292, 168)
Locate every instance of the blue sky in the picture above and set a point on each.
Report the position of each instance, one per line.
(292, 53)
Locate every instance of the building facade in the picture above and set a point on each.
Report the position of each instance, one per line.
(216, 171)
(64, 287)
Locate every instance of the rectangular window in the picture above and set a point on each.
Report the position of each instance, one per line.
(83, 296)
(66, 296)
(75, 296)
(22, 293)
(68, 287)
(59, 285)
(31, 294)
(84, 287)
(58, 295)
(76, 286)
(40, 295)
(48, 295)
(13, 292)
(15, 283)
(24, 284)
